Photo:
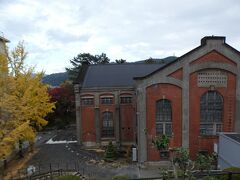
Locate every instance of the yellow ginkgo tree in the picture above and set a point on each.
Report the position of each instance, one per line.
(24, 101)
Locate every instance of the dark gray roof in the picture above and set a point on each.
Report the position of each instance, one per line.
(116, 75)
(157, 60)
(235, 137)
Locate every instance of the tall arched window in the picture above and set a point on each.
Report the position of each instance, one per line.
(107, 124)
(163, 117)
(211, 113)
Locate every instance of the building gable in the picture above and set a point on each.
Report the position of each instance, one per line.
(212, 53)
(212, 66)
(214, 56)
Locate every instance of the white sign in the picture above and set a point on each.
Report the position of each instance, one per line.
(215, 148)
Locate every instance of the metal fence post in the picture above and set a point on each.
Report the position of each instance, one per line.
(19, 174)
(50, 171)
(39, 170)
(230, 175)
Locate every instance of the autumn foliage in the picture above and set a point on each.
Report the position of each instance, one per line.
(24, 101)
(63, 97)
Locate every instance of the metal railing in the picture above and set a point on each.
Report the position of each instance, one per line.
(198, 175)
(48, 171)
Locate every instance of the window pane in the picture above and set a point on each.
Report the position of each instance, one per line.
(159, 129)
(163, 117)
(206, 129)
(107, 125)
(211, 107)
(168, 129)
(163, 111)
(107, 100)
(218, 127)
(87, 101)
(126, 100)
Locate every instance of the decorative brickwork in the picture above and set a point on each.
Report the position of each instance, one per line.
(210, 78)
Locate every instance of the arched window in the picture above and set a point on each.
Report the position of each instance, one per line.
(163, 117)
(211, 113)
(107, 124)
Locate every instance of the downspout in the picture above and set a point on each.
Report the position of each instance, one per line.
(120, 124)
(77, 89)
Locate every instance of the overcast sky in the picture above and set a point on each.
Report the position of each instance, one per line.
(55, 31)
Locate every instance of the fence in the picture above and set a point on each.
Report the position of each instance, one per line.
(54, 170)
(48, 171)
(198, 175)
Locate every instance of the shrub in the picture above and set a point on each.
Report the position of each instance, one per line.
(93, 178)
(234, 176)
(204, 162)
(70, 177)
(161, 143)
(110, 153)
(167, 175)
(181, 158)
(210, 178)
(120, 177)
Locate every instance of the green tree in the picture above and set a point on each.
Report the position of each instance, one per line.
(87, 58)
(204, 162)
(120, 61)
(182, 160)
(149, 61)
(110, 153)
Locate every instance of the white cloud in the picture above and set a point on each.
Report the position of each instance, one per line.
(56, 31)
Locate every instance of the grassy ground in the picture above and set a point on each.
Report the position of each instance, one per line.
(70, 177)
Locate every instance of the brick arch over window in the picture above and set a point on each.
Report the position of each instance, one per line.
(107, 124)
(163, 117)
(211, 113)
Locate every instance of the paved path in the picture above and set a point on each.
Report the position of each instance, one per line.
(70, 155)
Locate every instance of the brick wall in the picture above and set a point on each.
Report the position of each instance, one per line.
(174, 94)
(127, 117)
(88, 124)
(228, 93)
(128, 123)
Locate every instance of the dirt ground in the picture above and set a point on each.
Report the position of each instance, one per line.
(18, 163)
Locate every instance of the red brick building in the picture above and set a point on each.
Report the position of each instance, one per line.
(190, 99)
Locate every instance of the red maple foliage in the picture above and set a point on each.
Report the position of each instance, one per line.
(64, 98)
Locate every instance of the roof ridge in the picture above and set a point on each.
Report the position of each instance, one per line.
(130, 63)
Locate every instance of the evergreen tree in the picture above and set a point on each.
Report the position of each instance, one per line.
(149, 61)
(120, 61)
(87, 58)
(110, 153)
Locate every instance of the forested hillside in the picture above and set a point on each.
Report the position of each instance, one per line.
(55, 79)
